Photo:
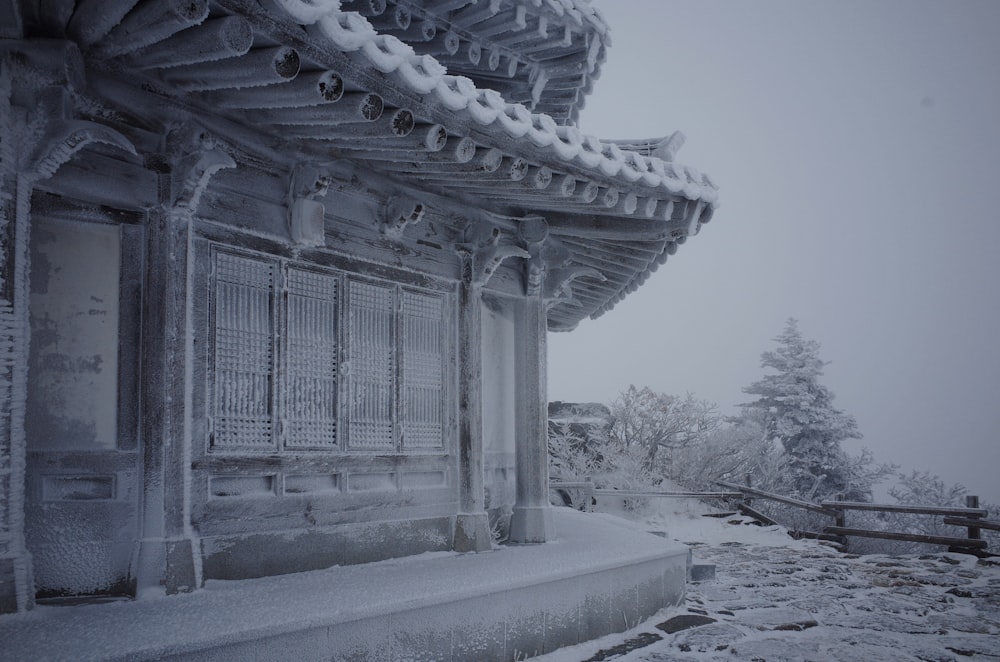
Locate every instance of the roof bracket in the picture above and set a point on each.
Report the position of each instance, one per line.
(306, 213)
(398, 213)
(486, 251)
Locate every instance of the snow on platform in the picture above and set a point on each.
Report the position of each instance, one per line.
(779, 599)
(601, 575)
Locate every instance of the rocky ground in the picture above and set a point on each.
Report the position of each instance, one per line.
(777, 599)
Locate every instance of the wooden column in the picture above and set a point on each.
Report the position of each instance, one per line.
(16, 582)
(166, 551)
(532, 518)
(472, 530)
(168, 554)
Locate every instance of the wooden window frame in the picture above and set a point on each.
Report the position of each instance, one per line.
(282, 266)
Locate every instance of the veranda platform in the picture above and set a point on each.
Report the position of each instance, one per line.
(601, 575)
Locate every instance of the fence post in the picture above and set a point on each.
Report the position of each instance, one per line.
(972, 501)
(747, 499)
(588, 495)
(840, 519)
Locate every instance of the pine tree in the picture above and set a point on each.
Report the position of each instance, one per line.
(798, 412)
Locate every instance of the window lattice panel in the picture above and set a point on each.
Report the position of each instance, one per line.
(372, 366)
(422, 387)
(244, 354)
(311, 364)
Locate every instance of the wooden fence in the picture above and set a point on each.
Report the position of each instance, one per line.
(587, 492)
(972, 517)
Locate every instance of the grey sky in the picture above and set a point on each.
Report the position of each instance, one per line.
(857, 147)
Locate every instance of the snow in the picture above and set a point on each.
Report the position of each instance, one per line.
(230, 611)
(351, 32)
(775, 598)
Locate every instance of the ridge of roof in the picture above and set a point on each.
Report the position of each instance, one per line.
(423, 74)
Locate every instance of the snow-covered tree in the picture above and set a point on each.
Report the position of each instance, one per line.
(659, 424)
(729, 453)
(799, 414)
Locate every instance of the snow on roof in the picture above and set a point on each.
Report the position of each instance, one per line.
(424, 75)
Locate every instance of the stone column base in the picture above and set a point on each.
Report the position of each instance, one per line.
(531, 524)
(472, 533)
(166, 564)
(17, 592)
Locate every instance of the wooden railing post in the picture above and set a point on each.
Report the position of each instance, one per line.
(747, 499)
(840, 519)
(588, 495)
(972, 501)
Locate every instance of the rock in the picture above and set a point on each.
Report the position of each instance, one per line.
(702, 572)
(796, 627)
(634, 643)
(683, 622)
(708, 638)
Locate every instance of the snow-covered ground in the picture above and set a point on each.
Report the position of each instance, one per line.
(775, 598)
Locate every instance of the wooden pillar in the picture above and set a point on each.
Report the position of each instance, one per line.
(17, 592)
(531, 521)
(168, 553)
(975, 532)
(472, 530)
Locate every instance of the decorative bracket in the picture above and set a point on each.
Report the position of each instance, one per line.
(306, 214)
(398, 213)
(559, 287)
(484, 253)
(64, 138)
(548, 273)
(195, 157)
(533, 231)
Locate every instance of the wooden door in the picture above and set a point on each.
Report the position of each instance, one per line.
(83, 477)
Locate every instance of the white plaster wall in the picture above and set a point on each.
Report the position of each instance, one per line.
(73, 367)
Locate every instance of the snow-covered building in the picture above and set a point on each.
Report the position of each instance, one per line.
(277, 277)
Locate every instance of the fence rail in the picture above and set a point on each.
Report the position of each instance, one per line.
(588, 491)
(970, 517)
(805, 505)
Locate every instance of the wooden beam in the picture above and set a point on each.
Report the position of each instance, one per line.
(903, 508)
(351, 108)
(93, 19)
(805, 505)
(756, 514)
(908, 537)
(972, 522)
(594, 226)
(215, 39)
(151, 22)
(311, 88)
(261, 66)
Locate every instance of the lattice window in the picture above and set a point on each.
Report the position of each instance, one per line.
(370, 382)
(423, 379)
(310, 380)
(277, 358)
(244, 352)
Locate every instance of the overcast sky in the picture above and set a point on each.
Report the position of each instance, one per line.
(856, 144)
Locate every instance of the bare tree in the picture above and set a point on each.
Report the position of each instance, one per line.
(658, 422)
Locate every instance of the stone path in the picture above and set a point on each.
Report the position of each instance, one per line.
(810, 602)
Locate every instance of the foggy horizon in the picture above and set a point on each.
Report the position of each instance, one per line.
(855, 147)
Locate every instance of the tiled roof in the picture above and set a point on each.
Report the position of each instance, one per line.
(324, 83)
